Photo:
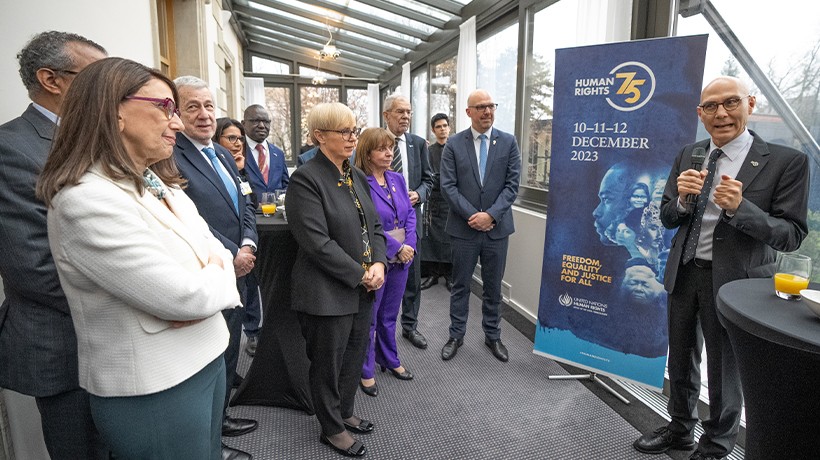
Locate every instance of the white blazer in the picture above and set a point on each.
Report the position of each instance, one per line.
(129, 266)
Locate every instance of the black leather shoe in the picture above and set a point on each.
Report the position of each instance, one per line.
(364, 426)
(406, 375)
(250, 347)
(356, 450)
(236, 381)
(661, 440)
(698, 455)
(448, 283)
(498, 349)
(372, 390)
(428, 282)
(237, 426)
(415, 338)
(229, 453)
(451, 348)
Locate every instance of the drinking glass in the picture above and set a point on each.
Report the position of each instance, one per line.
(792, 275)
(268, 204)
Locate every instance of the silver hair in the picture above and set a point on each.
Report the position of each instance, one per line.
(190, 81)
(389, 100)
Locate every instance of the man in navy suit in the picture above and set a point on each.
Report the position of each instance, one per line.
(213, 185)
(480, 169)
(751, 201)
(38, 345)
(264, 162)
(412, 160)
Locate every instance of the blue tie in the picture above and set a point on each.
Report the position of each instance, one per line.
(229, 183)
(482, 157)
(691, 245)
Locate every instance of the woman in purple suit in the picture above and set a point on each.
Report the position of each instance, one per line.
(374, 155)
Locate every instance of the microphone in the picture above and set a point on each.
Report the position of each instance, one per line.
(698, 157)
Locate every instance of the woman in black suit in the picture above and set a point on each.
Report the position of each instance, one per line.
(340, 263)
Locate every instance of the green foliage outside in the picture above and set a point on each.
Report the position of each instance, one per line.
(811, 245)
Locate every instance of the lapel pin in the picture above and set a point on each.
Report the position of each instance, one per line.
(754, 163)
(494, 141)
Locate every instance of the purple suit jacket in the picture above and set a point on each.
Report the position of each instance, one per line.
(394, 212)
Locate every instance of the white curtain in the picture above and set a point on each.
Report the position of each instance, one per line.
(465, 71)
(254, 91)
(373, 112)
(405, 80)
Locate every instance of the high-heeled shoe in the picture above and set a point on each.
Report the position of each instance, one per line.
(372, 390)
(406, 375)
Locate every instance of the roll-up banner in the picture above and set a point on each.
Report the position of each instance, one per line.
(622, 113)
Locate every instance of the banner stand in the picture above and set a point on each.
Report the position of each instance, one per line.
(592, 377)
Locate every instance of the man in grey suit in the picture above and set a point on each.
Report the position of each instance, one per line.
(480, 169)
(213, 185)
(38, 346)
(749, 201)
(412, 160)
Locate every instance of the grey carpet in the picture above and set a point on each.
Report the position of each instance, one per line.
(472, 407)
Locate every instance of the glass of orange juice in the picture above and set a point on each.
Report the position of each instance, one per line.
(792, 275)
(268, 204)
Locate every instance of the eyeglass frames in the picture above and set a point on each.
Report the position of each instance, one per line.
(234, 139)
(729, 104)
(483, 107)
(347, 134)
(167, 105)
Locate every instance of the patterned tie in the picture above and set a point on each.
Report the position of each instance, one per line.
(482, 157)
(694, 228)
(230, 185)
(263, 162)
(396, 164)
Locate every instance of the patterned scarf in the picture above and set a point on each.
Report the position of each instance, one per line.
(153, 184)
(347, 178)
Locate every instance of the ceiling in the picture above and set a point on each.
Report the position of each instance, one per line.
(372, 36)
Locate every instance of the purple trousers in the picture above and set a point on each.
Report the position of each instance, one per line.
(382, 348)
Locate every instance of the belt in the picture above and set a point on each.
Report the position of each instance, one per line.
(702, 263)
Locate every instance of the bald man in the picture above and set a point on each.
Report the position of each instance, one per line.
(750, 201)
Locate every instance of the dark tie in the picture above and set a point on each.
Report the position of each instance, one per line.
(230, 185)
(396, 164)
(694, 227)
(482, 157)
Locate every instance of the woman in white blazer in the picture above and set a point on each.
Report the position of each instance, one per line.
(144, 277)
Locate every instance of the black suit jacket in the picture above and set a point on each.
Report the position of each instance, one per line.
(212, 200)
(771, 216)
(38, 346)
(325, 223)
(419, 173)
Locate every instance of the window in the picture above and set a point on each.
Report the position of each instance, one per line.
(357, 101)
(497, 65)
(419, 125)
(443, 87)
(309, 96)
(277, 101)
(165, 34)
(262, 65)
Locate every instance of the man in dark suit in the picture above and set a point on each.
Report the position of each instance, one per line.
(265, 162)
(213, 185)
(480, 169)
(753, 203)
(267, 172)
(38, 346)
(412, 160)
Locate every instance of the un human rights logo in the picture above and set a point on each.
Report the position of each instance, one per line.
(565, 299)
(634, 86)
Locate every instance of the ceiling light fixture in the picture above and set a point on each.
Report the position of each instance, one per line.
(329, 52)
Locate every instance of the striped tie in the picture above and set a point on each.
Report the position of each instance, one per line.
(396, 164)
(263, 162)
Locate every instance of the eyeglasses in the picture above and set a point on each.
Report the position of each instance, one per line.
(347, 134)
(70, 72)
(484, 107)
(234, 139)
(729, 104)
(256, 121)
(167, 105)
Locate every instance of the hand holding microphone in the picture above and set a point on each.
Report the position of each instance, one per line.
(698, 157)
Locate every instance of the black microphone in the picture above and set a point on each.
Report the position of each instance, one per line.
(698, 157)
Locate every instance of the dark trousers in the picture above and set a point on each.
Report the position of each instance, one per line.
(493, 256)
(411, 300)
(68, 427)
(182, 422)
(252, 318)
(693, 302)
(336, 347)
(233, 318)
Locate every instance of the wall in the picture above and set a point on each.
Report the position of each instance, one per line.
(124, 28)
(522, 278)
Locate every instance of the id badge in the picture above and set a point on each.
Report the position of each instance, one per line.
(245, 187)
